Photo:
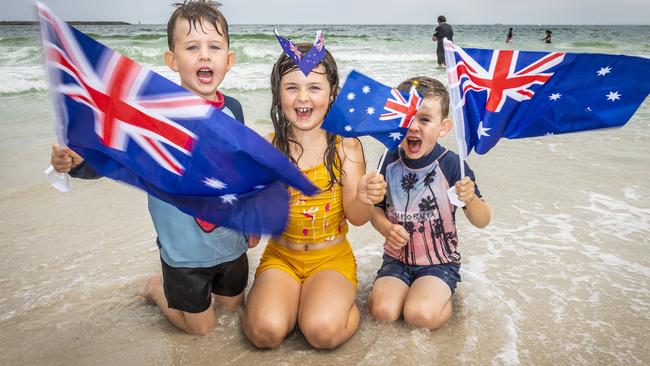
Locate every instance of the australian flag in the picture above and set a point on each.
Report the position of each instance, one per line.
(367, 107)
(133, 125)
(515, 94)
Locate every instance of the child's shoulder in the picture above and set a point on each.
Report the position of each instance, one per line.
(234, 106)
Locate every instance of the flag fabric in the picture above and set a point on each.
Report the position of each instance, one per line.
(367, 107)
(309, 60)
(517, 94)
(135, 126)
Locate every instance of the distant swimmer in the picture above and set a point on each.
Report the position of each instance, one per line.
(443, 30)
(547, 39)
(509, 36)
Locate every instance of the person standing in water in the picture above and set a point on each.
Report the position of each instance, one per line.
(509, 36)
(547, 38)
(442, 31)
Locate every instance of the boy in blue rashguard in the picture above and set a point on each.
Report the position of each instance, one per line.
(198, 259)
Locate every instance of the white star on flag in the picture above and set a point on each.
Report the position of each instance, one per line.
(351, 96)
(228, 198)
(214, 183)
(613, 95)
(351, 110)
(365, 89)
(395, 135)
(370, 110)
(604, 71)
(348, 128)
(555, 96)
(482, 131)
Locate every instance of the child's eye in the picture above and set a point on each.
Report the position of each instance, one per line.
(192, 48)
(215, 47)
(316, 87)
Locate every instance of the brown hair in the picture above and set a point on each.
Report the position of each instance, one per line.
(429, 87)
(283, 137)
(197, 11)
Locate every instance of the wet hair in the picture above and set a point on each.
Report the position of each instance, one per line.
(429, 87)
(197, 11)
(441, 19)
(283, 138)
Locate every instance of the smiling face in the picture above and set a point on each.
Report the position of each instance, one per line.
(305, 99)
(427, 127)
(200, 56)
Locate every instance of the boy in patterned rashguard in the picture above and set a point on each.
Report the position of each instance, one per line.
(421, 262)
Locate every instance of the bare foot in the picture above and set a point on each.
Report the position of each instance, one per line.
(154, 284)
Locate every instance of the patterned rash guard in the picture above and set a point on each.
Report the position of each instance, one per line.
(417, 199)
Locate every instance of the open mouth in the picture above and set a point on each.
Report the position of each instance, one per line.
(304, 112)
(413, 144)
(205, 75)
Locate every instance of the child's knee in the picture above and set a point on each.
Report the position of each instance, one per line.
(199, 327)
(384, 311)
(421, 316)
(265, 333)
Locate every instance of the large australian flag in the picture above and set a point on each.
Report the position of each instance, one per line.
(516, 94)
(135, 126)
(367, 107)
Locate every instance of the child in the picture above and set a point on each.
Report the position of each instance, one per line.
(421, 261)
(307, 275)
(197, 258)
(509, 36)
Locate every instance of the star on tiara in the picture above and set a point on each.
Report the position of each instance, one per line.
(309, 60)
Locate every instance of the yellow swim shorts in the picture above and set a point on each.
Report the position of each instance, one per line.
(302, 264)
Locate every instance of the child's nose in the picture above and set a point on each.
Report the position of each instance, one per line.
(303, 94)
(204, 53)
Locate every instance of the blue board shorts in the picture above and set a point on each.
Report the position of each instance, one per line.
(449, 273)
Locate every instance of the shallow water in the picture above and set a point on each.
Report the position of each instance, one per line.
(560, 276)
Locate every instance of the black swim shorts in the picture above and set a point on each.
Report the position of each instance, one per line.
(190, 289)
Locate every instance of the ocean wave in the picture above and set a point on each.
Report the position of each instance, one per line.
(21, 79)
(131, 37)
(348, 56)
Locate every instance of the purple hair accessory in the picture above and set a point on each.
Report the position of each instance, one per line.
(306, 62)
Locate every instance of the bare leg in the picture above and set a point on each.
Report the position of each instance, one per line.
(428, 304)
(271, 308)
(192, 323)
(386, 300)
(230, 303)
(328, 316)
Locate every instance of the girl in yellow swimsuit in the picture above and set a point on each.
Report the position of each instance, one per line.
(307, 275)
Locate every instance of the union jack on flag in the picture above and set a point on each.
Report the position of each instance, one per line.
(133, 125)
(516, 94)
(367, 107)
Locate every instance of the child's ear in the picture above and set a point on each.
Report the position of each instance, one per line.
(232, 58)
(445, 126)
(170, 61)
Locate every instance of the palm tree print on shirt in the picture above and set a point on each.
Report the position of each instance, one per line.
(408, 183)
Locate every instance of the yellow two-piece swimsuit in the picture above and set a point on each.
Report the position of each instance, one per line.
(313, 219)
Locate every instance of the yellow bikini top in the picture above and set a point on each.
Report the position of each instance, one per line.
(318, 218)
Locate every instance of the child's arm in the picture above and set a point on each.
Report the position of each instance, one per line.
(396, 235)
(360, 191)
(476, 210)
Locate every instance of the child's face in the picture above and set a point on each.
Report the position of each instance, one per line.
(426, 128)
(305, 99)
(200, 56)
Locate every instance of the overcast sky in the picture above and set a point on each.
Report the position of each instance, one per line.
(355, 11)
